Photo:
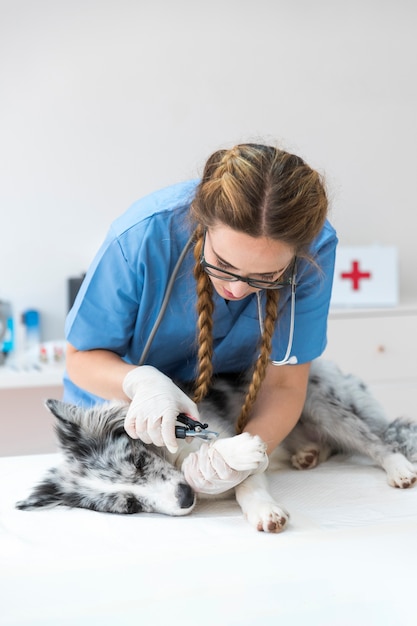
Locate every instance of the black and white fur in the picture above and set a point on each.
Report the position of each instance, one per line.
(103, 469)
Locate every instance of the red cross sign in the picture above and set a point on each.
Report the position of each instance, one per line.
(355, 275)
(365, 276)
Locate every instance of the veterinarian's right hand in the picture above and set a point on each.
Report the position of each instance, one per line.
(155, 403)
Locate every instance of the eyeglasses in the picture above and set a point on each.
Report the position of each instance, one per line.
(221, 274)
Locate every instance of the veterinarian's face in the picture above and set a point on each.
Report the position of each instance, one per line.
(255, 258)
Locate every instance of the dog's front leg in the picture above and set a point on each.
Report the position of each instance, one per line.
(258, 506)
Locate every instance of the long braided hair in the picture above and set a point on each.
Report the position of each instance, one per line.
(261, 191)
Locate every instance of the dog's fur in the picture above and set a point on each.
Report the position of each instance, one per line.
(103, 469)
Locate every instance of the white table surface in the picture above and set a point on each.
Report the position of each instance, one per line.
(348, 557)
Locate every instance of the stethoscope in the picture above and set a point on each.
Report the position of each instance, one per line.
(287, 360)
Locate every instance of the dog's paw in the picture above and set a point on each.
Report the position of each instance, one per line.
(268, 517)
(400, 472)
(243, 452)
(306, 458)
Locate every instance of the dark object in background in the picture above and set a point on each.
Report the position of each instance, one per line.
(6, 330)
(74, 285)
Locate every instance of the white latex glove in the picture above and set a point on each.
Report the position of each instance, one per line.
(223, 464)
(156, 402)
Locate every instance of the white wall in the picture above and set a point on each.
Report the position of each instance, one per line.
(102, 101)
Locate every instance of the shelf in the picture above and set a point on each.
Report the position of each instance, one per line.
(44, 376)
(406, 307)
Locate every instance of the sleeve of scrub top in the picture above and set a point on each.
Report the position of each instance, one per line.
(312, 301)
(105, 310)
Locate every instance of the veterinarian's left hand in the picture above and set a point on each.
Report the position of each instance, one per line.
(220, 466)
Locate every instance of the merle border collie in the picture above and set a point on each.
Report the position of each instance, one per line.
(103, 469)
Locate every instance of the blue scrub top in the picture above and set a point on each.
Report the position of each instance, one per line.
(123, 291)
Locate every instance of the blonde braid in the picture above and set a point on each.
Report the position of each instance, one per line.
(205, 308)
(262, 191)
(262, 361)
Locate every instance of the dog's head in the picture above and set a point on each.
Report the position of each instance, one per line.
(105, 470)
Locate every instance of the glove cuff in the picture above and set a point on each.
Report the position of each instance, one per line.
(138, 376)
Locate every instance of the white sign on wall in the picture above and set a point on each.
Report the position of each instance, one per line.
(365, 276)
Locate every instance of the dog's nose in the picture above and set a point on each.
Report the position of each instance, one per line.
(185, 496)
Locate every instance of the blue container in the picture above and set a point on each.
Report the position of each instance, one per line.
(6, 327)
(31, 321)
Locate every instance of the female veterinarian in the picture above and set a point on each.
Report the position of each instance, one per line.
(225, 274)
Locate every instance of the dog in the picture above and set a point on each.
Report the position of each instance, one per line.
(103, 469)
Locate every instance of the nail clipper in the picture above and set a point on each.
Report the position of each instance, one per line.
(192, 428)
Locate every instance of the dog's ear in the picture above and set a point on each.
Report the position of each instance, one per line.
(45, 494)
(68, 415)
(55, 406)
(65, 411)
(94, 421)
(68, 426)
(81, 431)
